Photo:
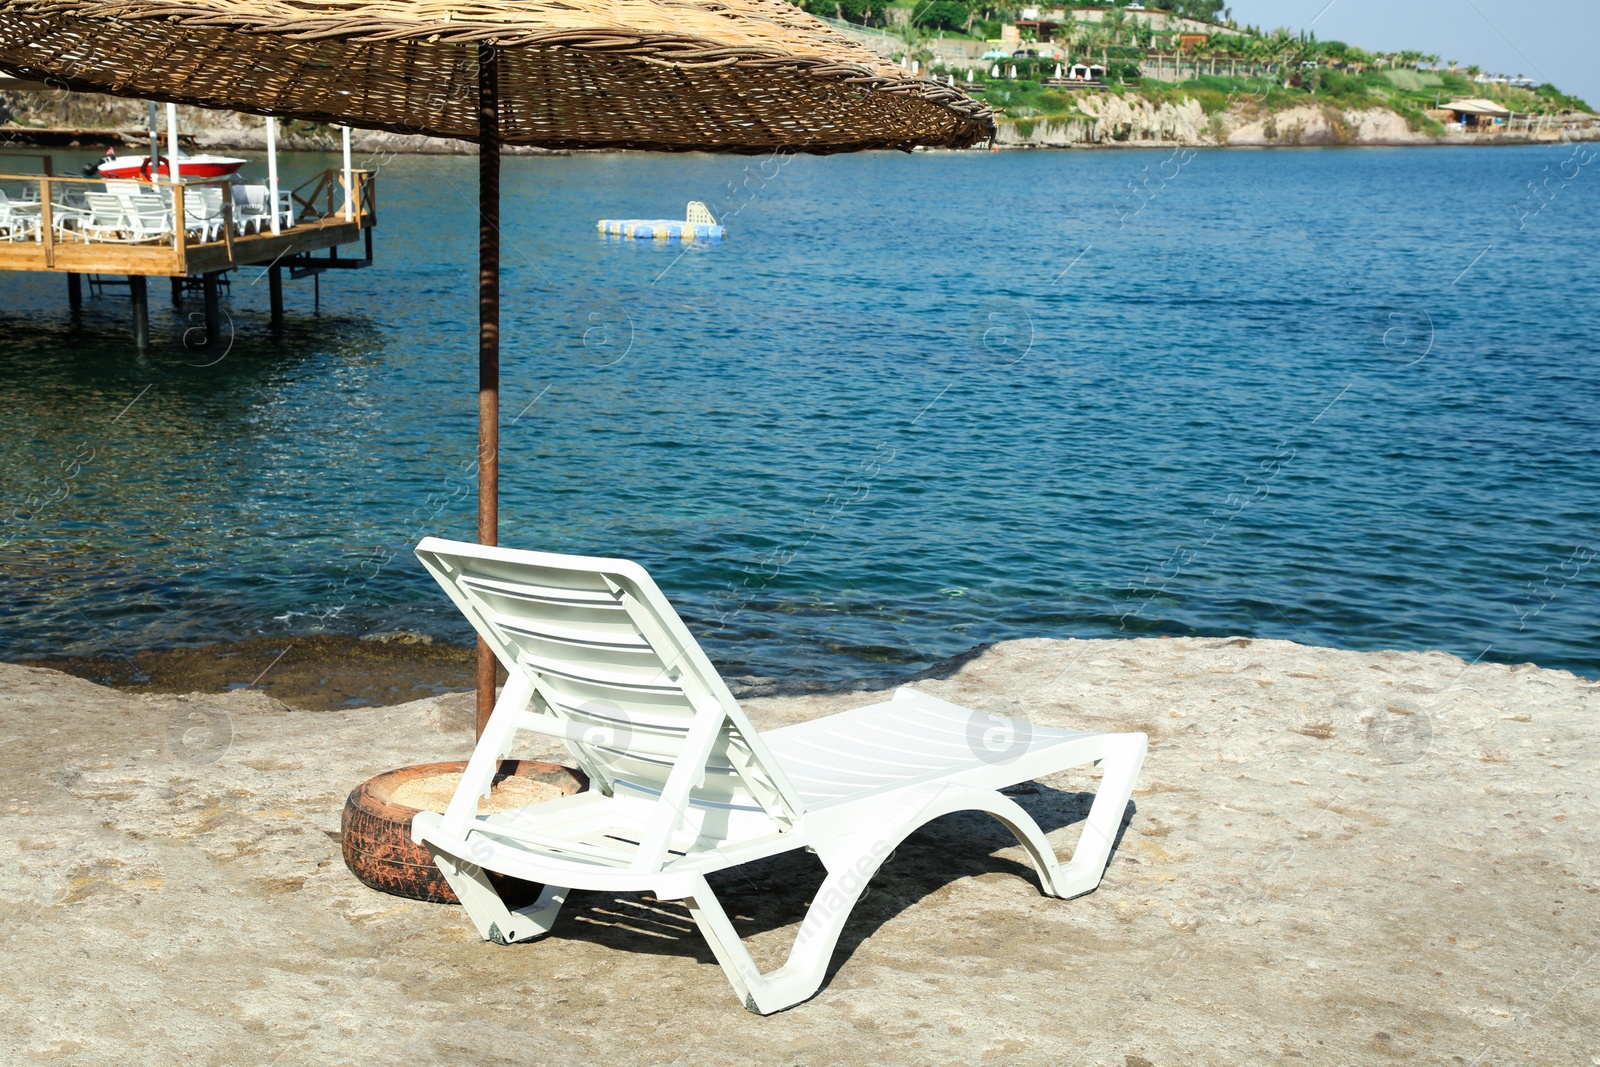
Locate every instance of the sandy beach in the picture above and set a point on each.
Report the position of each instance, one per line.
(1334, 857)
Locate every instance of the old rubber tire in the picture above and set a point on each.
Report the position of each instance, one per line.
(376, 831)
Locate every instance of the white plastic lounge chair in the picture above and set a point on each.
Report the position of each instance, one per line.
(250, 206)
(68, 212)
(19, 219)
(203, 213)
(250, 214)
(682, 785)
(107, 218)
(125, 218)
(251, 211)
(150, 216)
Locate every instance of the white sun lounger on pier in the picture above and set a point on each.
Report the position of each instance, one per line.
(203, 213)
(19, 221)
(251, 210)
(108, 218)
(150, 216)
(682, 785)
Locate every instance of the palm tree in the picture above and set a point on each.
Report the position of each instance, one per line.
(1281, 41)
(1146, 36)
(1257, 51)
(1116, 23)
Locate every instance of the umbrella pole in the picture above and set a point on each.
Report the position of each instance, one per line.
(488, 335)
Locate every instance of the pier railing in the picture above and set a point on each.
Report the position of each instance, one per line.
(152, 226)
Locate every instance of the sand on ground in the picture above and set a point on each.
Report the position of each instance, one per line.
(1332, 857)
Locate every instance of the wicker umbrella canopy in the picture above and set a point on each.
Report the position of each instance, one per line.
(706, 75)
(667, 75)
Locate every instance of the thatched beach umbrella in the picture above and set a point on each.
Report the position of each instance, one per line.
(667, 75)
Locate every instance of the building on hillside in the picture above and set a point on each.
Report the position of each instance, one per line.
(1023, 38)
(1042, 25)
(1476, 116)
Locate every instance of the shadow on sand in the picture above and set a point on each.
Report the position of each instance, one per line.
(773, 894)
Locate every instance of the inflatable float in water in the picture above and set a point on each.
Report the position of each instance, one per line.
(697, 226)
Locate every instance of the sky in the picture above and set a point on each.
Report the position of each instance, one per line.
(1547, 40)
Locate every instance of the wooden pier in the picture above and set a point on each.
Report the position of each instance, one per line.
(77, 226)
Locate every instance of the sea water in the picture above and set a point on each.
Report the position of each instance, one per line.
(912, 404)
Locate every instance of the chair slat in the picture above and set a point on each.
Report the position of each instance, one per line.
(617, 641)
(542, 594)
(616, 857)
(603, 679)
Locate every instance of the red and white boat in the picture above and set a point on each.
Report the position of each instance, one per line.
(204, 166)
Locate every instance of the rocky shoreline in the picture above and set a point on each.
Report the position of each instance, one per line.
(1112, 121)
(1332, 857)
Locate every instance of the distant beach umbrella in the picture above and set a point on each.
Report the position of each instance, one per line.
(1058, 70)
(1013, 73)
(670, 75)
(994, 71)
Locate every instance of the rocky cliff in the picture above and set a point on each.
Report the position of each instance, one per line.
(1108, 120)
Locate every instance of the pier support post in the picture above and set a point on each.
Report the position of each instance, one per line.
(213, 312)
(177, 292)
(488, 335)
(75, 292)
(139, 293)
(275, 295)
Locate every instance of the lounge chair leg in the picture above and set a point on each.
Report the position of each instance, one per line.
(801, 976)
(1120, 763)
(851, 866)
(486, 909)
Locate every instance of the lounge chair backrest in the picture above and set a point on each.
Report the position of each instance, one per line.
(252, 199)
(15, 223)
(152, 211)
(105, 209)
(612, 669)
(202, 202)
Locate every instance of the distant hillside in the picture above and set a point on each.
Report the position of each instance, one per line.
(1177, 73)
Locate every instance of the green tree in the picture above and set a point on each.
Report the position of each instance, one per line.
(1205, 10)
(861, 12)
(943, 15)
(1114, 24)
